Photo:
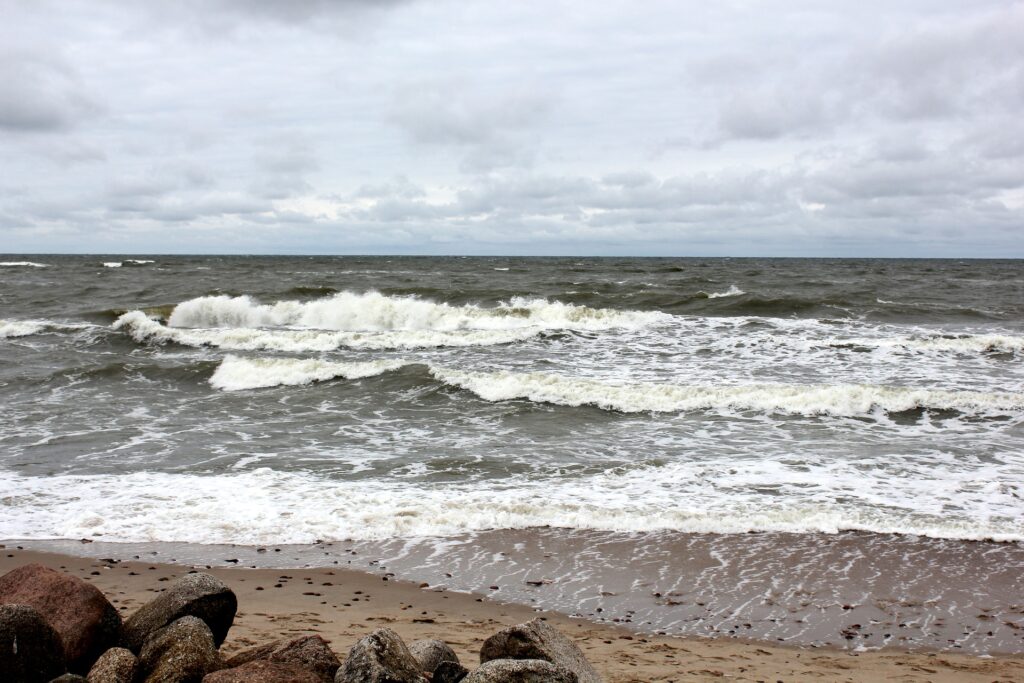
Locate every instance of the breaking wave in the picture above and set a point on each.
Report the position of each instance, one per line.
(375, 312)
(367, 321)
(25, 328)
(127, 262)
(235, 374)
(844, 400)
(143, 329)
(25, 264)
(732, 291)
(264, 506)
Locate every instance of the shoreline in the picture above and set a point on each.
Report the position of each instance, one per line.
(342, 604)
(851, 591)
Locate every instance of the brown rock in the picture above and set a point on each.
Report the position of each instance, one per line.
(430, 653)
(30, 649)
(380, 657)
(520, 671)
(197, 595)
(537, 639)
(80, 614)
(116, 665)
(263, 671)
(183, 652)
(311, 653)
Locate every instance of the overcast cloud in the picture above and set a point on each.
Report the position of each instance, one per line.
(425, 126)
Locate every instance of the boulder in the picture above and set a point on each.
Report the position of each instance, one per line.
(430, 653)
(537, 639)
(263, 671)
(449, 672)
(80, 614)
(69, 678)
(116, 665)
(30, 649)
(183, 652)
(311, 653)
(520, 671)
(197, 595)
(380, 657)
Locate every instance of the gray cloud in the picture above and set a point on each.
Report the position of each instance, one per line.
(528, 127)
(40, 93)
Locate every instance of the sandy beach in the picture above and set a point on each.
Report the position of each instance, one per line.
(343, 605)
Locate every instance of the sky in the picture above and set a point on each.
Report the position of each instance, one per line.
(674, 128)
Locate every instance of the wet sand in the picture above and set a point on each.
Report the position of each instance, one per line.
(850, 590)
(342, 605)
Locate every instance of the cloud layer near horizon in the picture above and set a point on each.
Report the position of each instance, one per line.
(425, 126)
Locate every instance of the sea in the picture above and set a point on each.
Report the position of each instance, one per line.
(767, 449)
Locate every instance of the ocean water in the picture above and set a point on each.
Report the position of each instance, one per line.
(427, 402)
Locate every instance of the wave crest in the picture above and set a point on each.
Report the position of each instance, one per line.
(375, 312)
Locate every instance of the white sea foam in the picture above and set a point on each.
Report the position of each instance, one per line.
(25, 328)
(375, 312)
(26, 264)
(144, 329)
(267, 506)
(20, 328)
(732, 291)
(235, 374)
(112, 264)
(966, 343)
(844, 400)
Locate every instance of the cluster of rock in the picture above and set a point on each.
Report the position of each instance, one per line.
(56, 628)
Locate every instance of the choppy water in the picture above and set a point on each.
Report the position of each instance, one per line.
(282, 400)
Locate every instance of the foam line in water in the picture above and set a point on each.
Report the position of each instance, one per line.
(966, 343)
(266, 506)
(23, 264)
(839, 400)
(375, 312)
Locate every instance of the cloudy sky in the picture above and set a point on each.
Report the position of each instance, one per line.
(877, 128)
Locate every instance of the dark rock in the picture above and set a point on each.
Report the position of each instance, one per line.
(69, 678)
(30, 649)
(430, 653)
(198, 595)
(537, 639)
(380, 657)
(311, 653)
(80, 614)
(449, 672)
(263, 671)
(253, 654)
(183, 652)
(520, 671)
(116, 665)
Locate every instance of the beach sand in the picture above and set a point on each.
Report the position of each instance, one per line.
(343, 605)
